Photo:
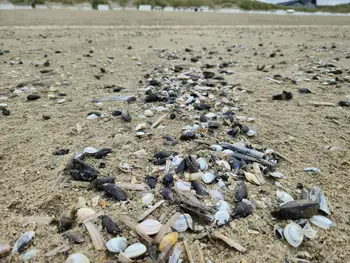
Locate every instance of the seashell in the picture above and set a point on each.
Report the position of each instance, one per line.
(193, 176)
(187, 128)
(241, 191)
(251, 133)
(208, 178)
(189, 221)
(141, 126)
(135, 250)
(176, 160)
(223, 206)
(199, 188)
(180, 225)
(90, 150)
(64, 223)
(163, 155)
(95, 235)
(30, 254)
(317, 195)
(102, 153)
(23, 241)
(181, 167)
(228, 152)
(187, 135)
(74, 237)
(216, 195)
(278, 232)
(115, 191)
(242, 210)
(303, 208)
(169, 239)
(284, 196)
(321, 221)
(251, 178)
(84, 213)
(277, 175)
(294, 235)
(117, 244)
(175, 256)
(216, 148)
(103, 180)
(150, 226)
(168, 180)
(151, 181)
(183, 186)
(148, 113)
(125, 167)
(210, 115)
(33, 97)
(4, 250)
(196, 128)
(309, 232)
(222, 217)
(202, 163)
(109, 225)
(191, 164)
(146, 199)
(77, 258)
(221, 184)
(82, 171)
(167, 194)
(224, 164)
(126, 115)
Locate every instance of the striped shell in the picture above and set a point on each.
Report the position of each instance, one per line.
(77, 258)
(150, 226)
(293, 233)
(117, 244)
(135, 250)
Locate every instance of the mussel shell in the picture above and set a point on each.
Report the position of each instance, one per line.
(187, 136)
(103, 180)
(241, 191)
(151, 181)
(126, 115)
(278, 232)
(297, 209)
(168, 180)
(82, 171)
(191, 164)
(293, 233)
(167, 194)
(64, 223)
(222, 205)
(181, 167)
(321, 221)
(164, 154)
(74, 237)
(117, 244)
(242, 210)
(102, 152)
(109, 225)
(284, 196)
(199, 188)
(23, 241)
(115, 191)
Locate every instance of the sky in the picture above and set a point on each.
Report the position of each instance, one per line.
(319, 2)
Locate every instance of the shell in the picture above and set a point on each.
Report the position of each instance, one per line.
(147, 198)
(242, 210)
(216, 148)
(117, 244)
(30, 254)
(135, 250)
(216, 195)
(148, 113)
(278, 232)
(241, 191)
(221, 184)
(115, 191)
(90, 150)
(202, 163)
(77, 258)
(84, 213)
(251, 133)
(317, 195)
(74, 237)
(227, 152)
(309, 232)
(252, 178)
(224, 164)
(103, 180)
(176, 160)
(109, 225)
(64, 223)
(167, 194)
(183, 186)
(126, 115)
(222, 217)
(294, 235)
(277, 175)
(321, 221)
(23, 241)
(169, 239)
(208, 178)
(284, 196)
(4, 250)
(150, 226)
(302, 208)
(141, 126)
(223, 206)
(95, 235)
(189, 221)
(199, 188)
(180, 225)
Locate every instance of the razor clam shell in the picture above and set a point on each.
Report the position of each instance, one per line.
(23, 241)
(321, 221)
(317, 195)
(135, 250)
(284, 196)
(294, 235)
(175, 256)
(222, 217)
(95, 235)
(77, 258)
(309, 232)
(117, 244)
(150, 226)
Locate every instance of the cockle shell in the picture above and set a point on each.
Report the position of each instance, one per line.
(23, 241)
(293, 233)
(169, 239)
(117, 244)
(202, 163)
(150, 226)
(321, 221)
(135, 250)
(223, 206)
(77, 258)
(222, 217)
(284, 196)
(309, 232)
(84, 213)
(147, 198)
(208, 178)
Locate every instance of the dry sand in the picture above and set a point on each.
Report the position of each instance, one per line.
(31, 178)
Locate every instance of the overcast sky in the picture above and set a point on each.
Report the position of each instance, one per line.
(319, 2)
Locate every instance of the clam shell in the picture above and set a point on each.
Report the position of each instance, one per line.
(227, 152)
(77, 258)
(216, 148)
(135, 250)
(252, 178)
(147, 198)
(284, 196)
(216, 195)
(90, 150)
(309, 232)
(141, 126)
(180, 225)
(317, 195)
(183, 186)
(150, 226)
(23, 241)
(148, 113)
(169, 239)
(84, 213)
(293, 233)
(208, 178)
(202, 163)
(321, 221)
(223, 206)
(224, 164)
(117, 244)
(222, 217)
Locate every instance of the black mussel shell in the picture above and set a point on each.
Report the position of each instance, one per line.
(33, 97)
(344, 103)
(102, 152)
(181, 167)
(152, 98)
(172, 116)
(208, 74)
(61, 152)
(74, 237)
(115, 191)
(103, 180)
(242, 210)
(187, 135)
(99, 114)
(82, 171)
(202, 106)
(203, 118)
(199, 188)
(304, 90)
(191, 164)
(151, 181)
(5, 112)
(285, 95)
(109, 225)
(244, 129)
(155, 82)
(235, 163)
(236, 130)
(167, 194)
(241, 191)
(297, 209)
(64, 223)
(168, 180)
(126, 115)
(160, 158)
(116, 113)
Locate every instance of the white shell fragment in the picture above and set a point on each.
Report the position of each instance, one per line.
(321, 221)
(84, 213)
(90, 150)
(150, 226)
(278, 175)
(176, 160)
(223, 206)
(317, 195)
(117, 244)
(284, 196)
(23, 241)
(183, 186)
(208, 178)
(224, 164)
(309, 232)
(147, 199)
(135, 250)
(202, 163)
(222, 217)
(77, 258)
(180, 225)
(293, 233)
(148, 113)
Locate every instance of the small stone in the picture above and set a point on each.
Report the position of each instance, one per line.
(148, 113)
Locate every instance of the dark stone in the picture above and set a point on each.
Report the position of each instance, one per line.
(5, 112)
(187, 136)
(33, 97)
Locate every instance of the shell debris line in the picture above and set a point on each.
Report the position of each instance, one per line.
(175, 202)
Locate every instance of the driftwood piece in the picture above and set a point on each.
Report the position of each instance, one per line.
(158, 121)
(228, 241)
(134, 187)
(199, 250)
(273, 80)
(131, 224)
(149, 211)
(165, 229)
(188, 251)
(322, 103)
(285, 158)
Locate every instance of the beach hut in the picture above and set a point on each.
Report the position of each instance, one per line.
(168, 9)
(145, 8)
(102, 7)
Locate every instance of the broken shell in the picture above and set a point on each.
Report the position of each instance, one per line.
(278, 231)
(303, 208)
(135, 250)
(90, 150)
(82, 171)
(222, 217)
(147, 198)
(227, 152)
(176, 160)
(95, 235)
(317, 195)
(242, 210)
(115, 191)
(189, 221)
(150, 226)
(77, 258)
(251, 178)
(4, 250)
(223, 206)
(84, 213)
(169, 239)
(309, 232)
(167, 194)
(221, 184)
(208, 178)
(23, 241)
(293, 233)
(126, 116)
(191, 164)
(109, 225)
(101, 181)
(117, 244)
(74, 237)
(202, 163)
(30, 254)
(199, 188)
(241, 191)
(216, 148)
(284, 196)
(180, 225)
(321, 221)
(141, 126)
(168, 180)
(151, 181)
(224, 164)
(148, 113)
(277, 175)
(183, 186)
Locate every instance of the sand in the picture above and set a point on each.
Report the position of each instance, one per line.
(32, 179)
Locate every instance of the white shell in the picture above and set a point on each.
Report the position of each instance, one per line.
(251, 133)
(135, 250)
(216, 148)
(183, 186)
(277, 175)
(224, 164)
(180, 225)
(321, 221)
(216, 195)
(117, 244)
(176, 160)
(23, 241)
(208, 178)
(196, 128)
(284, 196)
(223, 206)
(317, 195)
(221, 184)
(150, 226)
(84, 213)
(293, 233)
(141, 126)
(148, 113)
(202, 163)
(222, 217)
(147, 199)
(210, 115)
(91, 150)
(309, 232)
(77, 258)
(29, 254)
(227, 152)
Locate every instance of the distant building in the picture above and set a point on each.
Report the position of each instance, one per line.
(204, 9)
(103, 7)
(145, 8)
(157, 8)
(300, 3)
(168, 9)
